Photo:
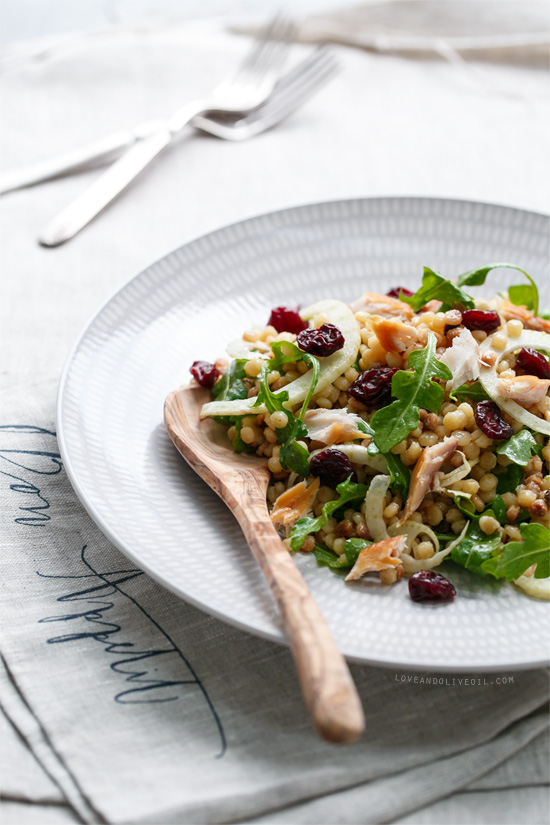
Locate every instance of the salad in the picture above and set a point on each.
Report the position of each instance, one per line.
(402, 431)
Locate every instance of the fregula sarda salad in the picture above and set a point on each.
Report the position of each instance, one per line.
(402, 430)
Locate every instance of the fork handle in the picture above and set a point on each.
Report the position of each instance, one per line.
(111, 183)
(329, 691)
(102, 191)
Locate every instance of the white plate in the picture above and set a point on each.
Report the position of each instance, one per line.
(187, 306)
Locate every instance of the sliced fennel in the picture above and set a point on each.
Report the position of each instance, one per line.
(412, 529)
(537, 588)
(374, 508)
(337, 313)
(458, 474)
(489, 377)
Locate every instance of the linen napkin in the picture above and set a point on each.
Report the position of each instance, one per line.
(515, 31)
(142, 709)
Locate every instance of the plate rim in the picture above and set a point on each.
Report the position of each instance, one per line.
(111, 535)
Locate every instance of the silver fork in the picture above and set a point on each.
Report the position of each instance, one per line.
(290, 91)
(289, 94)
(241, 92)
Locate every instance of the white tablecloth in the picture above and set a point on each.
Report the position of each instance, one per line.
(385, 125)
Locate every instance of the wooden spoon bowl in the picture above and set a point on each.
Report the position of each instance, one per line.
(241, 482)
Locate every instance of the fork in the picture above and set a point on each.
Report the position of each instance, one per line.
(245, 89)
(293, 89)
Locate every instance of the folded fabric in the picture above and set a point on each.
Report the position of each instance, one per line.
(515, 31)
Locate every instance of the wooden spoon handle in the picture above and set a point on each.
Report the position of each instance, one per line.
(329, 691)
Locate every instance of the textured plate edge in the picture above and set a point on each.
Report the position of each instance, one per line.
(278, 638)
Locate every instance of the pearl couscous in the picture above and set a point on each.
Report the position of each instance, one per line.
(401, 431)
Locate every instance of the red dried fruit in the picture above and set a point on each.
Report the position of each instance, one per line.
(397, 290)
(204, 373)
(428, 586)
(373, 387)
(490, 421)
(533, 363)
(286, 320)
(331, 466)
(486, 320)
(323, 341)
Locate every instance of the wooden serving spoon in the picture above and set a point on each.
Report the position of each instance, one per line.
(241, 481)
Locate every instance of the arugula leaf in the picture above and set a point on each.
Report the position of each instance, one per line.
(475, 548)
(353, 547)
(230, 386)
(519, 448)
(435, 287)
(496, 508)
(499, 509)
(347, 491)
(475, 392)
(327, 557)
(517, 556)
(509, 479)
(316, 368)
(365, 427)
(471, 514)
(399, 475)
(413, 390)
(293, 456)
(238, 443)
(524, 293)
(279, 358)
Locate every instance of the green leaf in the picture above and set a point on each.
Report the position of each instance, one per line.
(293, 456)
(474, 392)
(316, 370)
(467, 508)
(238, 443)
(347, 491)
(476, 277)
(524, 515)
(365, 427)
(328, 558)
(399, 475)
(519, 448)
(230, 386)
(294, 354)
(523, 295)
(475, 548)
(499, 509)
(509, 479)
(413, 390)
(435, 287)
(517, 556)
(353, 547)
